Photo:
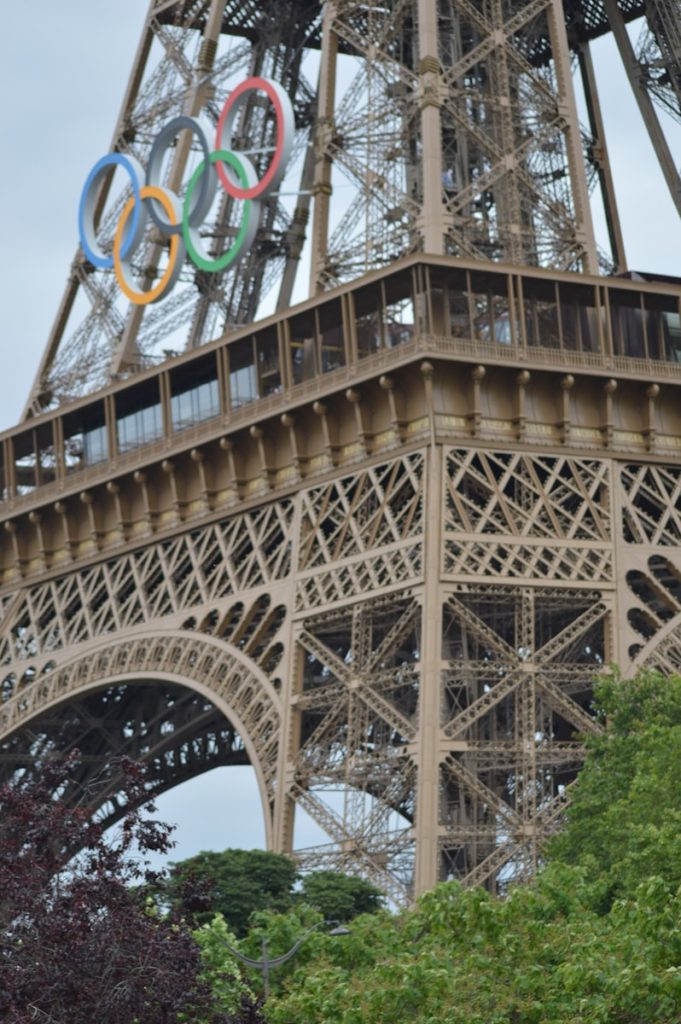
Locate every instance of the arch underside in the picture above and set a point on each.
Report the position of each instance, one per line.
(175, 732)
(179, 702)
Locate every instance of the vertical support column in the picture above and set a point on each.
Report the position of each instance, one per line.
(526, 728)
(321, 188)
(601, 157)
(584, 229)
(645, 105)
(431, 129)
(428, 751)
(298, 229)
(507, 193)
(289, 734)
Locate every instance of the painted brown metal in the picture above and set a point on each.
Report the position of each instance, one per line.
(395, 579)
(446, 128)
(377, 544)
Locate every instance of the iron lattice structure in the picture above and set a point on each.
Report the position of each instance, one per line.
(376, 545)
(444, 126)
(388, 585)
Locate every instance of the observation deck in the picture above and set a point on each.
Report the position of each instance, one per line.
(267, 398)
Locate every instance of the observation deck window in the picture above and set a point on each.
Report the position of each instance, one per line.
(449, 307)
(35, 461)
(663, 327)
(540, 304)
(25, 463)
(398, 305)
(368, 326)
(139, 419)
(578, 317)
(627, 323)
(269, 366)
(85, 438)
(302, 347)
(490, 308)
(194, 392)
(243, 382)
(459, 310)
(331, 335)
(4, 481)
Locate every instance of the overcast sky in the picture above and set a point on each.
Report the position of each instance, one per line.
(63, 71)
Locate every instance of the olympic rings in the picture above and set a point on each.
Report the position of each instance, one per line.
(249, 224)
(208, 184)
(170, 204)
(180, 222)
(285, 129)
(86, 209)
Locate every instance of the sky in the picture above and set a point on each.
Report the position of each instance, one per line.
(62, 77)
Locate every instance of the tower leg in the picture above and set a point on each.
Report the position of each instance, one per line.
(428, 785)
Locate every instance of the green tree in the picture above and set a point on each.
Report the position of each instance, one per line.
(624, 821)
(237, 883)
(340, 897)
(595, 940)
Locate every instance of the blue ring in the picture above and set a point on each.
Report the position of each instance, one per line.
(111, 159)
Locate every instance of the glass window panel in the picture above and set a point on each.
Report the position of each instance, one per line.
(489, 299)
(267, 346)
(399, 317)
(139, 428)
(139, 419)
(47, 456)
(626, 318)
(303, 334)
(541, 313)
(671, 333)
(459, 314)
(663, 327)
(331, 335)
(243, 381)
(447, 291)
(25, 463)
(369, 327)
(85, 438)
(578, 317)
(194, 392)
(4, 486)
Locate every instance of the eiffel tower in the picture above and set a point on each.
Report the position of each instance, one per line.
(376, 544)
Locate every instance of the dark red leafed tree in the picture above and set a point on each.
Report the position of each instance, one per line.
(79, 940)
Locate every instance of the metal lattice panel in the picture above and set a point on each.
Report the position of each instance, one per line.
(440, 126)
(386, 570)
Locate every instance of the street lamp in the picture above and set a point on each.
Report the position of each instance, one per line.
(267, 963)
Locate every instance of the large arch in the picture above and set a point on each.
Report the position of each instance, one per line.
(221, 673)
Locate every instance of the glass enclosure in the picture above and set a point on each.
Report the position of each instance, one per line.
(194, 392)
(139, 417)
(476, 305)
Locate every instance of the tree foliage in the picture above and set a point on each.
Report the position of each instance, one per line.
(595, 940)
(79, 940)
(340, 897)
(239, 883)
(541, 956)
(624, 822)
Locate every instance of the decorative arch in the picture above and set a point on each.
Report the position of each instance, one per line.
(218, 671)
(662, 651)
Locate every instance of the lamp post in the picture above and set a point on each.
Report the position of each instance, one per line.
(267, 963)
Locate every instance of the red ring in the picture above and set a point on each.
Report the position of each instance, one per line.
(257, 190)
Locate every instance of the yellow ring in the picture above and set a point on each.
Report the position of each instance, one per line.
(143, 298)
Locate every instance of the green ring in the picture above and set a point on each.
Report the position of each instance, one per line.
(213, 266)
